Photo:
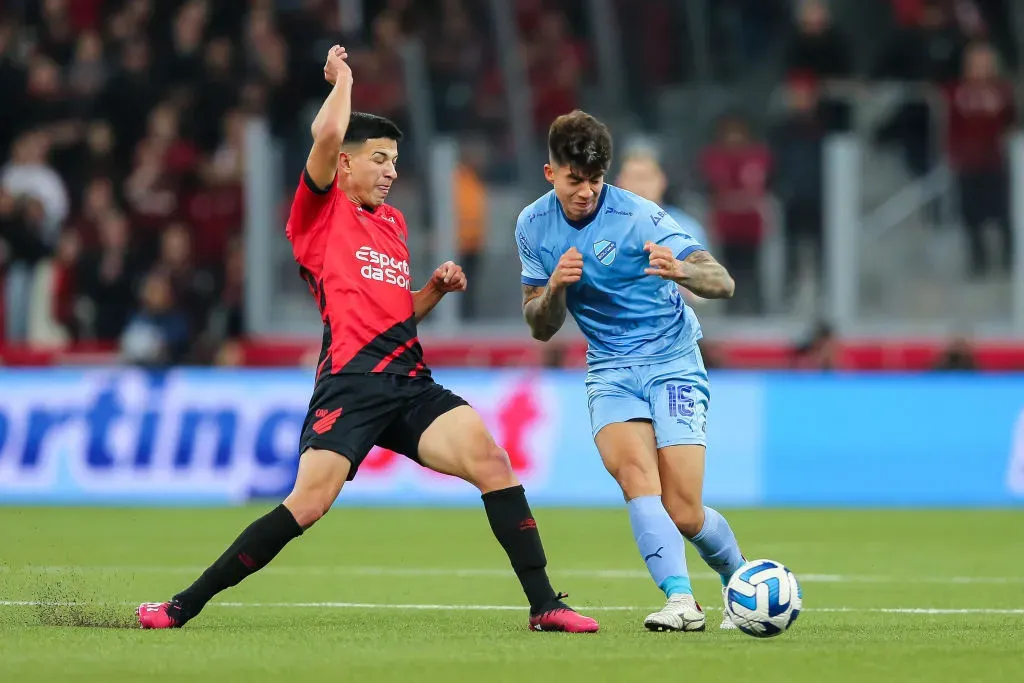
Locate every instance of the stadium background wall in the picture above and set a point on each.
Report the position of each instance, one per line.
(199, 437)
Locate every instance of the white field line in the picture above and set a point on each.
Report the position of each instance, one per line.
(413, 572)
(510, 608)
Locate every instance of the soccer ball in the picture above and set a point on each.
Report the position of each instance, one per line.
(763, 598)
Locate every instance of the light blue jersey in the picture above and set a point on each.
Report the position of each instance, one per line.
(643, 359)
(627, 316)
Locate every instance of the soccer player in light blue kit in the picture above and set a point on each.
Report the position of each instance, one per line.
(616, 261)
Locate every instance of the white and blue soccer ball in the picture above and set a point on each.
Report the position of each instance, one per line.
(763, 598)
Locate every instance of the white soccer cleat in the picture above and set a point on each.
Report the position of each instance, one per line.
(727, 622)
(680, 613)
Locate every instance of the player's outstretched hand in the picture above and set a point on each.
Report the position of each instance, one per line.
(449, 278)
(568, 271)
(664, 263)
(337, 65)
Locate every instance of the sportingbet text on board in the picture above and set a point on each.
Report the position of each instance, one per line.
(218, 437)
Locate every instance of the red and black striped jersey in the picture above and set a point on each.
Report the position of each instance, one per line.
(356, 263)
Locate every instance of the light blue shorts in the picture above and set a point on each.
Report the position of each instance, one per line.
(673, 396)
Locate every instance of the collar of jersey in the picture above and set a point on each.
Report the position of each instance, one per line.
(584, 222)
(363, 207)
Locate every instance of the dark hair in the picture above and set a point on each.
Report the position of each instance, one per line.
(582, 142)
(363, 127)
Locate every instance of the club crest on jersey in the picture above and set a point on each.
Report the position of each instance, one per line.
(605, 251)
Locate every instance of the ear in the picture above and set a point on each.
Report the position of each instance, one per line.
(549, 173)
(344, 163)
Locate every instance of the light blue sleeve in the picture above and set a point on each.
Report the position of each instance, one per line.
(661, 228)
(533, 273)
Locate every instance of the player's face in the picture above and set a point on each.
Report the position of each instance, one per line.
(369, 170)
(576, 193)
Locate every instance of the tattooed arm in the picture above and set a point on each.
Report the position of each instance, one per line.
(544, 310)
(706, 277)
(544, 307)
(699, 272)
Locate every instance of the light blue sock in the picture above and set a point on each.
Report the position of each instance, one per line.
(660, 544)
(717, 544)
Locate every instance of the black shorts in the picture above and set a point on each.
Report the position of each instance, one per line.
(350, 414)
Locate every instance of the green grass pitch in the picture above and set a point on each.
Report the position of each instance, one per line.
(371, 595)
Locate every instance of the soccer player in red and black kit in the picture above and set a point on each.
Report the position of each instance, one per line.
(372, 387)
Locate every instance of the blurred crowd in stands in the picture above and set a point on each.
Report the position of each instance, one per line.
(121, 189)
(122, 133)
(961, 48)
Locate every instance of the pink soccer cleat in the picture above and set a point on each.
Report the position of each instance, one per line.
(563, 618)
(155, 615)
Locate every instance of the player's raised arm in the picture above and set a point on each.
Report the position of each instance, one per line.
(331, 121)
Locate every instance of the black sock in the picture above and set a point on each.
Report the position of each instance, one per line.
(514, 527)
(252, 550)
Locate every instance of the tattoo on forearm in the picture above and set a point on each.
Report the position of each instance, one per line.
(706, 277)
(543, 310)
